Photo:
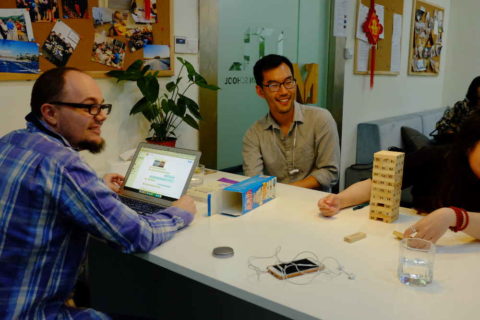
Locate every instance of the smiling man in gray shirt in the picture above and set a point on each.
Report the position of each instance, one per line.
(296, 143)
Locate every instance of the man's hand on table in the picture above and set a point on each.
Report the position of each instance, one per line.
(113, 181)
(330, 205)
(186, 203)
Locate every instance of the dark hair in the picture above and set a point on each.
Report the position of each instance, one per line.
(459, 177)
(472, 93)
(269, 62)
(48, 87)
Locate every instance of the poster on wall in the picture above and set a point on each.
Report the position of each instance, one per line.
(426, 40)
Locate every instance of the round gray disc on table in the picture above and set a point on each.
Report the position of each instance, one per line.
(222, 252)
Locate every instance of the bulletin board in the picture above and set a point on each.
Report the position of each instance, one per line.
(386, 47)
(426, 39)
(81, 56)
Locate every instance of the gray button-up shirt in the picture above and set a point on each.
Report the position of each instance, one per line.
(311, 146)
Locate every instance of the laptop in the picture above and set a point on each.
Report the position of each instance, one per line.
(157, 176)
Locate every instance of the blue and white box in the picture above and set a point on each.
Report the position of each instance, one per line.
(242, 197)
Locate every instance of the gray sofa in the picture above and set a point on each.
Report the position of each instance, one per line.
(382, 134)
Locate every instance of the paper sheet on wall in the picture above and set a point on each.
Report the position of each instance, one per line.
(341, 18)
(396, 40)
(362, 17)
(362, 56)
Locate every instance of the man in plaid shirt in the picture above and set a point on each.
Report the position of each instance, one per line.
(51, 200)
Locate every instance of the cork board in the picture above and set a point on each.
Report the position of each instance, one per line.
(426, 39)
(383, 58)
(81, 57)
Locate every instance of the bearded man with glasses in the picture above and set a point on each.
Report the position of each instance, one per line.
(296, 143)
(51, 201)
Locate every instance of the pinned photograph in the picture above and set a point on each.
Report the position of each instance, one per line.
(101, 16)
(419, 65)
(15, 25)
(40, 10)
(119, 20)
(419, 13)
(139, 37)
(119, 4)
(157, 56)
(19, 57)
(109, 21)
(440, 21)
(142, 13)
(108, 51)
(435, 65)
(75, 9)
(438, 49)
(60, 44)
(426, 52)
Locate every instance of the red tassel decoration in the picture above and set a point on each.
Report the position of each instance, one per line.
(373, 29)
(148, 7)
(372, 65)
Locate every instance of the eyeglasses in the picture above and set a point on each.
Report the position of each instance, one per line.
(275, 86)
(94, 109)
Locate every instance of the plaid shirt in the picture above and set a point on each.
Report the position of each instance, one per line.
(50, 201)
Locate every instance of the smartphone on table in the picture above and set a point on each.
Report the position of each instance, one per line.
(294, 268)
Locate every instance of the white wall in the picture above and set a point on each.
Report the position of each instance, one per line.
(463, 51)
(121, 131)
(391, 95)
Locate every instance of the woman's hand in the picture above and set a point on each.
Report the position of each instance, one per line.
(433, 226)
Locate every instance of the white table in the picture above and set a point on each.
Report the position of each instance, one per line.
(292, 221)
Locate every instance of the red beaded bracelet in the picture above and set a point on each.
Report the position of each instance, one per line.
(461, 217)
(467, 220)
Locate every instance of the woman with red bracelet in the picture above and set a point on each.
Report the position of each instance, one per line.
(445, 181)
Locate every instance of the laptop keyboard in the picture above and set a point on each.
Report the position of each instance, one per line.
(139, 206)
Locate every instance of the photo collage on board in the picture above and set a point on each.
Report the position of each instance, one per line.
(120, 26)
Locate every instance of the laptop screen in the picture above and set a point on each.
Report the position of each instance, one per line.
(160, 173)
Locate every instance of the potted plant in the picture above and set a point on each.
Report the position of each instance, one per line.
(165, 111)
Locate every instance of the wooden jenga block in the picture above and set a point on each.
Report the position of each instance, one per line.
(354, 237)
(386, 185)
(398, 234)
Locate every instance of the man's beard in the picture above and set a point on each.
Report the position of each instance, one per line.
(93, 147)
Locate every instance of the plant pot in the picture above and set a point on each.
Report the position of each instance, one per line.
(170, 142)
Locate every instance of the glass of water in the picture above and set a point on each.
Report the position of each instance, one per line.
(415, 265)
(197, 177)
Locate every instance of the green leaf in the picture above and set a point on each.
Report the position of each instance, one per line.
(178, 108)
(160, 130)
(192, 106)
(149, 87)
(135, 66)
(145, 69)
(171, 86)
(190, 121)
(202, 83)
(140, 106)
(211, 87)
(190, 69)
(124, 75)
(172, 106)
(151, 112)
(165, 106)
(115, 73)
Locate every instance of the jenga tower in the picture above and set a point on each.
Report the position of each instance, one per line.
(386, 185)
